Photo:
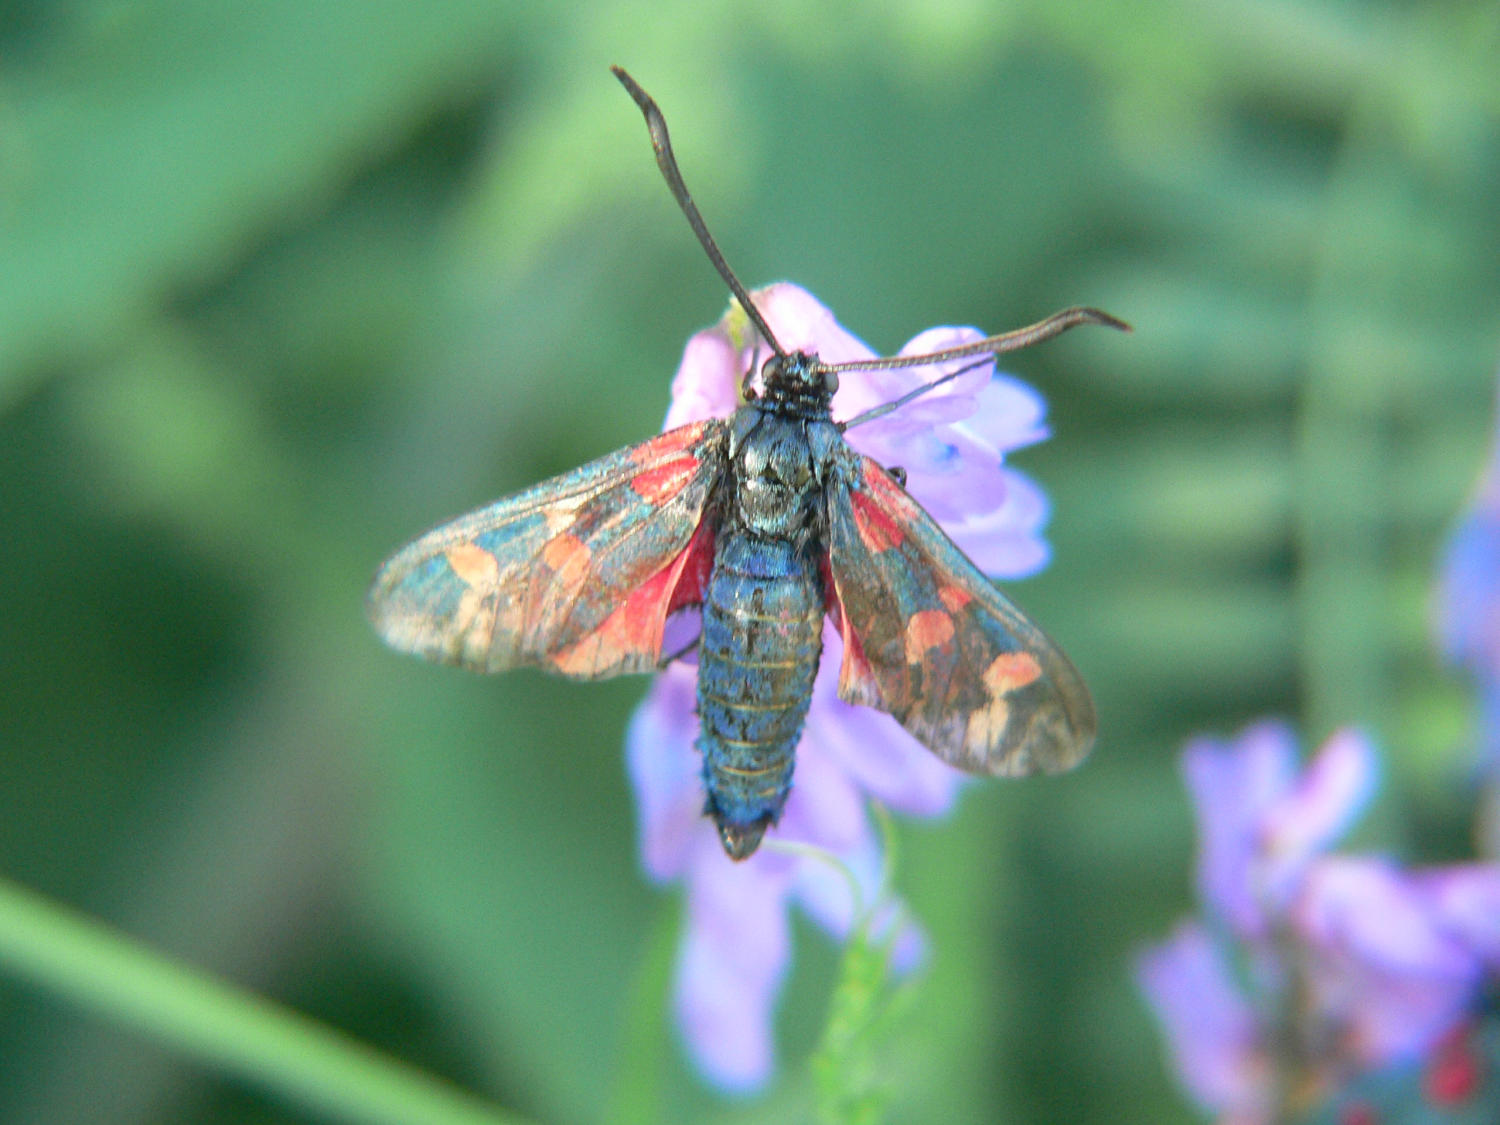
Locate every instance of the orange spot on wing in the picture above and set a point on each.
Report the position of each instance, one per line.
(1009, 671)
(568, 558)
(475, 566)
(660, 484)
(877, 529)
(926, 629)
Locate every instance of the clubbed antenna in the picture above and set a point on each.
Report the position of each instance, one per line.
(662, 144)
(1054, 325)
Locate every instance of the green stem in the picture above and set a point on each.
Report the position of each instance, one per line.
(228, 1029)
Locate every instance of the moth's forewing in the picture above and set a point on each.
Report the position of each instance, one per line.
(576, 575)
(929, 639)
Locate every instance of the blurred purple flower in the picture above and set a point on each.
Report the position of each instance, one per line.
(1260, 824)
(1469, 604)
(737, 943)
(1324, 966)
(1210, 1026)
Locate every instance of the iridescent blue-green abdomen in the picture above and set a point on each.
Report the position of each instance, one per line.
(762, 635)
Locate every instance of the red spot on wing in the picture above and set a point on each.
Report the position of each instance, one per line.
(876, 528)
(664, 445)
(954, 598)
(661, 483)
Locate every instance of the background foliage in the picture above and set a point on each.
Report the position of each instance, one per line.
(282, 284)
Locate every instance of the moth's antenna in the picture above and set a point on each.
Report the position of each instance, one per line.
(1014, 340)
(662, 144)
(1054, 325)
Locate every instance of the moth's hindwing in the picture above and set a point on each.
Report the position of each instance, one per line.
(930, 640)
(576, 574)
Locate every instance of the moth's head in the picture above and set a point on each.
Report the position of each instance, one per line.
(798, 375)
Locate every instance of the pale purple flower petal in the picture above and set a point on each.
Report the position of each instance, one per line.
(1261, 823)
(665, 772)
(1010, 414)
(1381, 968)
(937, 460)
(1471, 588)
(826, 807)
(1315, 812)
(1007, 542)
(1367, 909)
(883, 760)
(1466, 897)
(700, 389)
(803, 323)
(733, 958)
(1232, 787)
(1468, 608)
(953, 401)
(1210, 1027)
(1470, 601)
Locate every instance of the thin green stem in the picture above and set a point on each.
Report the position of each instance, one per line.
(223, 1027)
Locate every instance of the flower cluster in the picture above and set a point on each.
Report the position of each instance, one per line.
(737, 942)
(1309, 968)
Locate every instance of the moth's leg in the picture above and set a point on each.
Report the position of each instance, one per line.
(897, 474)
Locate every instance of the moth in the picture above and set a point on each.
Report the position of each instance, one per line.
(768, 521)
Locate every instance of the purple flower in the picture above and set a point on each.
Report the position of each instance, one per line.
(1469, 604)
(1327, 966)
(737, 944)
(1388, 967)
(1210, 1026)
(1260, 824)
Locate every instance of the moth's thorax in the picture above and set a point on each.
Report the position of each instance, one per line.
(778, 450)
(775, 480)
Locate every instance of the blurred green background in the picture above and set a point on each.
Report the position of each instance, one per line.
(282, 284)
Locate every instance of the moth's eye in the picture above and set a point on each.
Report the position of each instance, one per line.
(831, 381)
(771, 370)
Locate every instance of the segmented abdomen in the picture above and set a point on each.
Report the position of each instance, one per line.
(762, 635)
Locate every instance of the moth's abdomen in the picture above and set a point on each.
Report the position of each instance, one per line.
(762, 635)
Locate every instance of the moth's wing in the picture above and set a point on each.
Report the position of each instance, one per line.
(929, 639)
(576, 575)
